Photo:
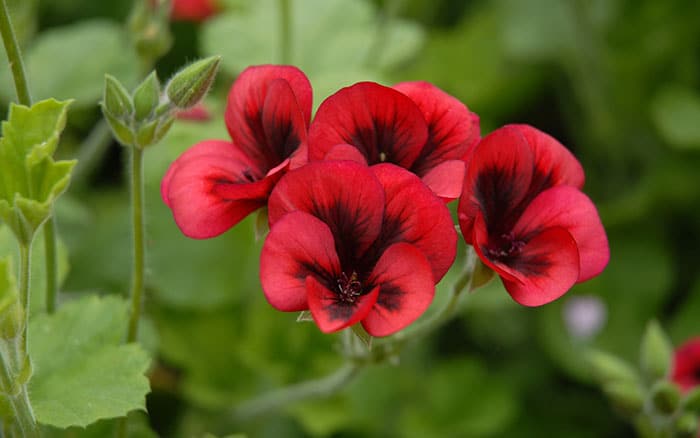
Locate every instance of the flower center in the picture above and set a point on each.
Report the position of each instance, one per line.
(505, 247)
(349, 288)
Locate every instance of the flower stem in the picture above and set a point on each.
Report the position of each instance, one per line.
(51, 264)
(311, 389)
(285, 31)
(25, 261)
(14, 56)
(18, 399)
(137, 221)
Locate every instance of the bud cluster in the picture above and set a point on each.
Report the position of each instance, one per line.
(143, 117)
(647, 394)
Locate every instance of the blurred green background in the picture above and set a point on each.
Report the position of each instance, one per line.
(616, 81)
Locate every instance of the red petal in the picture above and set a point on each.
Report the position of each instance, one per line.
(195, 188)
(686, 364)
(452, 128)
(446, 179)
(343, 194)
(556, 165)
(497, 181)
(193, 10)
(269, 107)
(566, 207)
(415, 215)
(346, 152)
(544, 269)
(331, 314)
(382, 123)
(548, 268)
(406, 289)
(298, 246)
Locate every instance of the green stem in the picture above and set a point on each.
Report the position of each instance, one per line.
(137, 209)
(312, 389)
(14, 56)
(51, 264)
(25, 261)
(285, 31)
(24, 421)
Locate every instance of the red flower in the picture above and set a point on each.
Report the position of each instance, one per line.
(686, 365)
(414, 125)
(193, 10)
(216, 183)
(523, 211)
(354, 244)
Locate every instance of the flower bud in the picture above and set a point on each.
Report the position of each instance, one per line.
(192, 83)
(626, 396)
(147, 97)
(666, 397)
(691, 401)
(686, 426)
(116, 99)
(656, 353)
(146, 134)
(608, 368)
(122, 132)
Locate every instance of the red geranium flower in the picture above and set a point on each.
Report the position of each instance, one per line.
(523, 212)
(216, 183)
(686, 365)
(414, 125)
(354, 244)
(193, 10)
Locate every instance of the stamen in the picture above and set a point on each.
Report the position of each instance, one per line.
(349, 288)
(506, 246)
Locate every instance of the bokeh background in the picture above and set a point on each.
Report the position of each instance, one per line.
(616, 81)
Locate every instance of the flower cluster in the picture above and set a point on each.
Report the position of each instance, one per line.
(359, 227)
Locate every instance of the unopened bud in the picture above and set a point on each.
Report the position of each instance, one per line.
(122, 132)
(656, 353)
(147, 97)
(626, 396)
(116, 99)
(691, 401)
(666, 397)
(608, 368)
(687, 426)
(192, 83)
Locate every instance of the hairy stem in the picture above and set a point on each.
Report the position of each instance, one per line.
(25, 261)
(311, 389)
(137, 213)
(16, 395)
(14, 56)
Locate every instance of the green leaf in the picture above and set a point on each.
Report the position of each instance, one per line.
(30, 179)
(675, 111)
(82, 371)
(71, 61)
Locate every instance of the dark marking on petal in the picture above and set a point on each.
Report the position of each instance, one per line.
(390, 297)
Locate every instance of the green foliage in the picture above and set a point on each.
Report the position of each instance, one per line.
(31, 180)
(70, 62)
(676, 113)
(365, 49)
(82, 371)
